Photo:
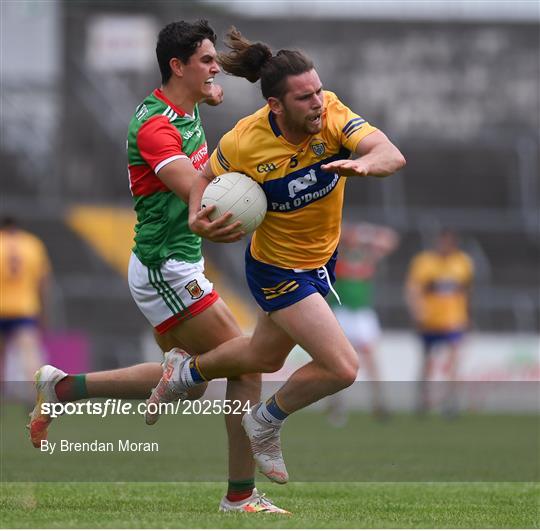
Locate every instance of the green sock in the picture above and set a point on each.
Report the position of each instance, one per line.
(72, 387)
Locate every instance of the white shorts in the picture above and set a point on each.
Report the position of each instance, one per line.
(360, 326)
(171, 293)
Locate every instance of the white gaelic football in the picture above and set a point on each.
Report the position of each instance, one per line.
(237, 193)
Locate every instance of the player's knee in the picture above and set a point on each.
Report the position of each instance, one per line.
(346, 372)
(271, 365)
(251, 378)
(247, 383)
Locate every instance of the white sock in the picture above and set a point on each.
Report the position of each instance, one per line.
(185, 376)
(264, 415)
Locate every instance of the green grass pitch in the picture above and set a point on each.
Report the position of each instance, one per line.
(314, 505)
(476, 471)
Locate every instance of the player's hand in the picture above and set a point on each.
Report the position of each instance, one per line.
(347, 167)
(219, 230)
(217, 96)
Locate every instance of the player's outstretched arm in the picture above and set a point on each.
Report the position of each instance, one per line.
(217, 230)
(378, 157)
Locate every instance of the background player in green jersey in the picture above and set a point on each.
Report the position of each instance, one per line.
(166, 148)
(361, 248)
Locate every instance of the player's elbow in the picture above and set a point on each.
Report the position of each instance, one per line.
(395, 163)
(400, 161)
(392, 163)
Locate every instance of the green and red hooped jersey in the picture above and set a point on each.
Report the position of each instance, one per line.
(158, 134)
(354, 282)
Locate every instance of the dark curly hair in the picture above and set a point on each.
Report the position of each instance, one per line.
(181, 40)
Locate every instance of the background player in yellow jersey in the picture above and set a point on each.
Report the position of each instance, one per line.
(297, 147)
(24, 286)
(438, 293)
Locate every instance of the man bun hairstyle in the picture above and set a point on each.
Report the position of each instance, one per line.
(245, 59)
(180, 40)
(254, 61)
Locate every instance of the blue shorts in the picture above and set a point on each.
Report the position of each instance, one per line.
(430, 339)
(8, 326)
(275, 288)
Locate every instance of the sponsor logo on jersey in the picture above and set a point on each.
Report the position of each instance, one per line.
(299, 188)
(194, 289)
(297, 185)
(200, 156)
(194, 132)
(305, 199)
(318, 148)
(266, 167)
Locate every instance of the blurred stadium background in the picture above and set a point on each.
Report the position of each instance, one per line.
(454, 84)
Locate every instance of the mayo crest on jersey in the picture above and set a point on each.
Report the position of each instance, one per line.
(160, 133)
(302, 224)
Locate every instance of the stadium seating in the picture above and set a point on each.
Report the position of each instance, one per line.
(471, 151)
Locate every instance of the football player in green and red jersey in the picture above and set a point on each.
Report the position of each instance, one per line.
(361, 248)
(166, 148)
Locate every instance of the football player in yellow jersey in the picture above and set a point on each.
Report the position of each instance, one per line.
(297, 147)
(438, 292)
(24, 283)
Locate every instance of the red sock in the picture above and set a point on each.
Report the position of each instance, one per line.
(239, 496)
(72, 387)
(240, 490)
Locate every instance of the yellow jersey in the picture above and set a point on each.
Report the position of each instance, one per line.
(443, 282)
(302, 226)
(24, 264)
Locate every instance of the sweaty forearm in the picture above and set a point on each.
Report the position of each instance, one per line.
(383, 160)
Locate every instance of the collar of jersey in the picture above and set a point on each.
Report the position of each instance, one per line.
(273, 124)
(279, 135)
(158, 93)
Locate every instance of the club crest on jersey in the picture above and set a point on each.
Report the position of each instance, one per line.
(318, 148)
(194, 289)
